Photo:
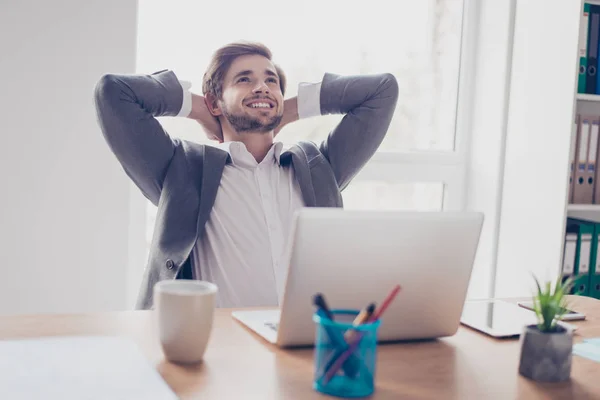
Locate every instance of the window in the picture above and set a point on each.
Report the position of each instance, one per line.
(421, 163)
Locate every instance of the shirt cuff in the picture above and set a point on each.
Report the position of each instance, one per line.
(309, 99)
(186, 104)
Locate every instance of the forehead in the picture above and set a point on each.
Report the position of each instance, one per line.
(253, 62)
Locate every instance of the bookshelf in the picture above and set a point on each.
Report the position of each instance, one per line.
(588, 97)
(587, 105)
(583, 158)
(590, 212)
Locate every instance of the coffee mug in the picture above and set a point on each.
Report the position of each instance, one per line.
(185, 312)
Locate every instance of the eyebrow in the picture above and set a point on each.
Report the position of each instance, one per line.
(249, 72)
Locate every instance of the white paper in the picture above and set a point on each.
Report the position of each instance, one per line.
(82, 368)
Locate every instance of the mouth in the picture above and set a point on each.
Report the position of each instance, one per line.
(261, 104)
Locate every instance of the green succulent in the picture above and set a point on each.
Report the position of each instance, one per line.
(550, 306)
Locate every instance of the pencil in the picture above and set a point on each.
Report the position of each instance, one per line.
(361, 318)
(386, 303)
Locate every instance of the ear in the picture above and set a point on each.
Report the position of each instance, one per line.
(213, 105)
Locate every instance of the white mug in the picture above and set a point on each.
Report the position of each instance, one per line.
(185, 312)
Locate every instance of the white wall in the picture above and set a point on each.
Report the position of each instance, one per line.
(64, 200)
(539, 125)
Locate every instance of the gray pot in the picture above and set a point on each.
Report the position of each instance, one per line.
(546, 357)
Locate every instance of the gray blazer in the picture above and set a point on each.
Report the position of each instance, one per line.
(182, 178)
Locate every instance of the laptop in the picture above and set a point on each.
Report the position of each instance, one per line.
(356, 257)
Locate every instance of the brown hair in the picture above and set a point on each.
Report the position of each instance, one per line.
(212, 82)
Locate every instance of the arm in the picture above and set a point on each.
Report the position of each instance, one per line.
(126, 106)
(368, 102)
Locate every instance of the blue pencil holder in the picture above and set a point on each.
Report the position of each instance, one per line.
(338, 340)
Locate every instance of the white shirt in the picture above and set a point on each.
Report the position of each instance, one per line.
(246, 235)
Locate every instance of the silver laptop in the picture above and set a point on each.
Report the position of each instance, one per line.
(356, 257)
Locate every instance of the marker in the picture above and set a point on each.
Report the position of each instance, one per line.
(319, 301)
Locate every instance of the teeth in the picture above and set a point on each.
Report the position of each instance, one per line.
(260, 105)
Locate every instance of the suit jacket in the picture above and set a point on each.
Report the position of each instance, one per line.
(182, 178)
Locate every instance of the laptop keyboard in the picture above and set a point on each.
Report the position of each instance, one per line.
(272, 325)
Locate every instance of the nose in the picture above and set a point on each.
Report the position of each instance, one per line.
(261, 87)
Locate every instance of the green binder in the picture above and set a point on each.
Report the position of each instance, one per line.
(585, 256)
(594, 281)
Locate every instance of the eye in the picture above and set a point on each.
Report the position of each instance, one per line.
(271, 80)
(244, 79)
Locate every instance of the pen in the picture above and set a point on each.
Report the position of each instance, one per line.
(319, 301)
(361, 318)
(344, 356)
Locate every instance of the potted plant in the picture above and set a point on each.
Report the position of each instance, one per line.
(546, 347)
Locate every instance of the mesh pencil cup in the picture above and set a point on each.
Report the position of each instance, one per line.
(351, 357)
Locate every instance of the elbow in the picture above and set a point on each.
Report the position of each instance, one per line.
(107, 87)
(389, 87)
(386, 94)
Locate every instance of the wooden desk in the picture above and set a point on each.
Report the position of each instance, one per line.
(240, 365)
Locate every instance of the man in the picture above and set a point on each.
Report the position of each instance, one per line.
(224, 211)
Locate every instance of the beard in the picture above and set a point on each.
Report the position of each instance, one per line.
(245, 123)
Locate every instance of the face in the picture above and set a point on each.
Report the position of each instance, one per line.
(252, 99)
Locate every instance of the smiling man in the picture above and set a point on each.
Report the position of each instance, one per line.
(249, 109)
(225, 211)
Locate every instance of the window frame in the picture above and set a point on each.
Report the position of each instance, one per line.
(447, 167)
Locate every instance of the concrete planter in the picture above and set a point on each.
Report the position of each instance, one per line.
(546, 357)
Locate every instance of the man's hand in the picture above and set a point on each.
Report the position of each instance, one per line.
(290, 114)
(201, 114)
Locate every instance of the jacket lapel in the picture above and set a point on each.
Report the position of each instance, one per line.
(296, 156)
(213, 163)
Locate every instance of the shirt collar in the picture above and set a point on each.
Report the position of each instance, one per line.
(240, 155)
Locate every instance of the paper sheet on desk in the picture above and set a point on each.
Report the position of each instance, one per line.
(594, 341)
(590, 348)
(82, 368)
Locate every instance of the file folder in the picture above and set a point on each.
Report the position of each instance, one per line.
(582, 266)
(594, 281)
(590, 180)
(582, 190)
(593, 156)
(569, 253)
(572, 155)
(592, 48)
(583, 34)
(585, 254)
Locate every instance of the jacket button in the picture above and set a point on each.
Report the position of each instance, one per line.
(170, 264)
